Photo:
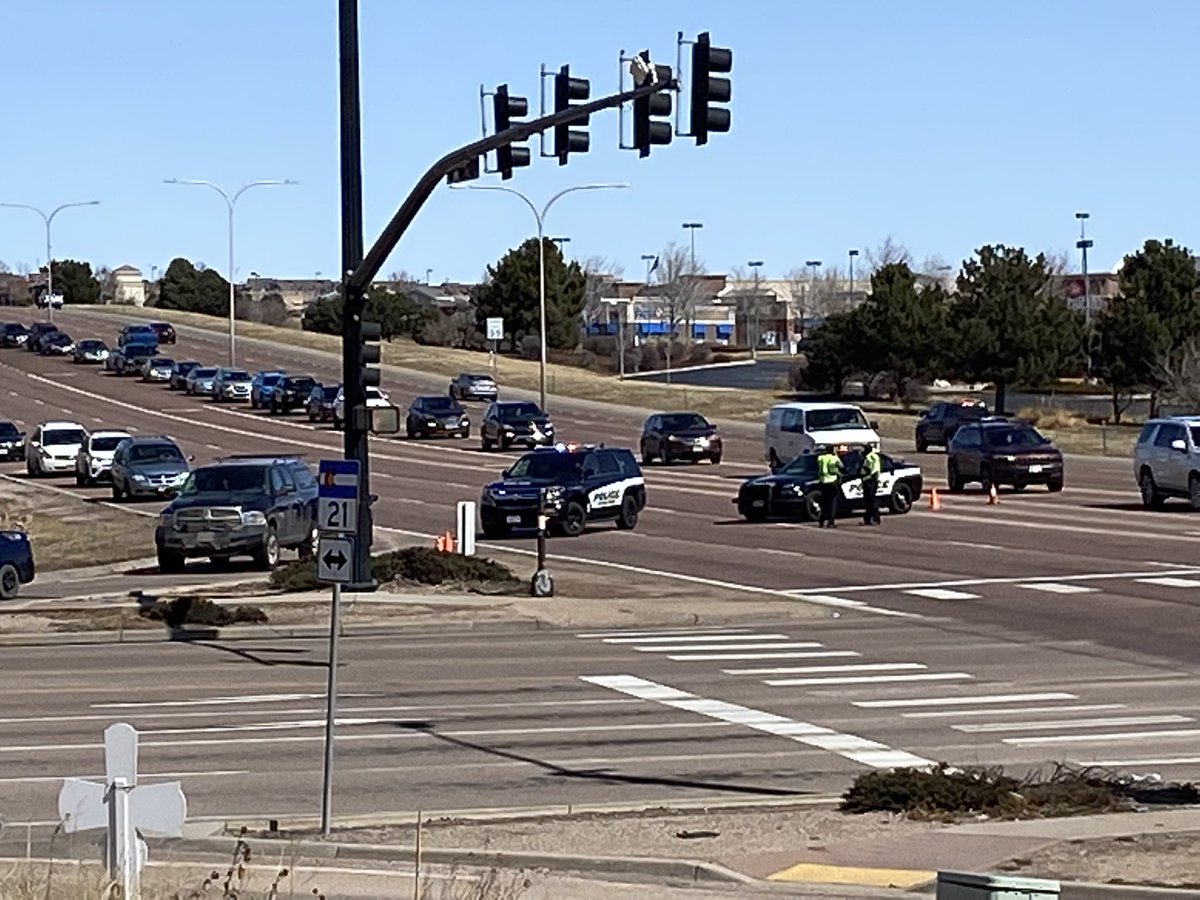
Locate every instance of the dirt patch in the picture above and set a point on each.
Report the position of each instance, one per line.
(65, 531)
(1164, 860)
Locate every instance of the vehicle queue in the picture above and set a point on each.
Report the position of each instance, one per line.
(826, 459)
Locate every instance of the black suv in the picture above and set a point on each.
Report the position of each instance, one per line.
(430, 416)
(938, 424)
(291, 392)
(508, 423)
(581, 484)
(240, 506)
(129, 358)
(680, 435)
(36, 331)
(997, 451)
(13, 334)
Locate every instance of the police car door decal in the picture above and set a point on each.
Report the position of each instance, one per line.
(610, 494)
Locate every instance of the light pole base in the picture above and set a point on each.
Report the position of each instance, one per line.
(542, 585)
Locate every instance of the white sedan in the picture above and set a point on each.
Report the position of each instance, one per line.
(376, 398)
(96, 456)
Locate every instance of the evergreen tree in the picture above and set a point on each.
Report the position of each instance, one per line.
(511, 291)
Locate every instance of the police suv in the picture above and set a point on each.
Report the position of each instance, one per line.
(571, 485)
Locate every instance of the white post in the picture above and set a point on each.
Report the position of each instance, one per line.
(466, 527)
(542, 312)
(330, 710)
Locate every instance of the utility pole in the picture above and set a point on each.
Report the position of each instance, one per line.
(755, 264)
(691, 228)
(852, 254)
(48, 219)
(1083, 244)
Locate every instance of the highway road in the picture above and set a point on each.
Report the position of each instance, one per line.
(1081, 605)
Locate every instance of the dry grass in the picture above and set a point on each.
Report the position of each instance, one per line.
(568, 381)
(68, 533)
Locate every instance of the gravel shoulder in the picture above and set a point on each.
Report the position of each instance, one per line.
(1165, 860)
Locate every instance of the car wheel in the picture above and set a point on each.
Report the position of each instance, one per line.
(337, 424)
(308, 549)
(504, 444)
(1055, 485)
(574, 519)
(753, 513)
(922, 444)
(312, 417)
(1194, 491)
(953, 480)
(647, 457)
(485, 444)
(495, 530)
(985, 479)
(902, 498)
(627, 519)
(715, 459)
(80, 481)
(10, 581)
(466, 433)
(170, 562)
(1151, 498)
(267, 556)
(220, 562)
(117, 493)
(812, 506)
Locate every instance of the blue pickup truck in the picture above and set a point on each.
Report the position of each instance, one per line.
(16, 563)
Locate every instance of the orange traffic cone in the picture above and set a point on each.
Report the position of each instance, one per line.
(993, 497)
(935, 500)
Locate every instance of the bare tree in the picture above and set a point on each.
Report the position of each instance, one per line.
(23, 269)
(600, 277)
(890, 251)
(4, 269)
(675, 291)
(1179, 375)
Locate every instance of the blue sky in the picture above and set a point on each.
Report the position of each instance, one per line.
(945, 124)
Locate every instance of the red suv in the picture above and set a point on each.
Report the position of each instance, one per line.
(166, 334)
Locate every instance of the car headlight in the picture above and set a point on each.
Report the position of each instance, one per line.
(487, 496)
(166, 519)
(141, 479)
(253, 517)
(1010, 459)
(465, 421)
(508, 432)
(673, 438)
(431, 421)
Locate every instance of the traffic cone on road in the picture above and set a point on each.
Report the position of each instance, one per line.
(935, 500)
(993, 497)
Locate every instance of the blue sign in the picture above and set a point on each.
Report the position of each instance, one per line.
(338, 478)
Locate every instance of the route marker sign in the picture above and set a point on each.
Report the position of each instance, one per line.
(495, 328)
(337, 497)
(334, 556)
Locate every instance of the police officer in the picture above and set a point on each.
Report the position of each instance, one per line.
(869, 473)
(829, 477)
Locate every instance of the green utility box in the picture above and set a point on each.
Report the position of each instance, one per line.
(966, 886)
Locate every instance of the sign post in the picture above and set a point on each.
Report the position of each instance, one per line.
(495, 334)
(337, 523)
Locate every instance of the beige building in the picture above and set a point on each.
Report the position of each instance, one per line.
(129, 289)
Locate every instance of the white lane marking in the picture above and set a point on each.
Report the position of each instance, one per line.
(826, 599)
(975, 546)
(981, 582)
(214, 701)
(1021, 711)
(941, 594)
(869, 753)
(142, 776)
(867, 679)
(39, 402)
(1165, 761)
(1171, 582)
(663, 633)
(1104, 738)
(799, 654)
(1026, 524)
(1058, 587)
(964, 701)
(705, 638)
(711, 648)
(1049, 724)
(851, 667)
(213, 447)
(623, 567)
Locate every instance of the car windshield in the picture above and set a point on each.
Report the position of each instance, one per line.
(163, 361)
(91, 345)
(108, 443)
(268, 379)
(203, 373)
(155, 453)
(236, 375)
(973, 412)
(227, 480)
(840, 418)
(684, 422)
(304, 383)
(59, 338)
(439, 404)
(803, 466)
(1013, 437)
(1196, 435)
(186, 366)
(63, 437)
(479, 379)
(140, 350)
(546, 466)
(8, 429)
(519, 411)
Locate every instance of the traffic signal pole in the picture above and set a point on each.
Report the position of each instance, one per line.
(354, 298)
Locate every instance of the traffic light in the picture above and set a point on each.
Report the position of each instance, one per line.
(707, 59)
(568, 140)
(647, 131)
(467, 171)
(505, 109)
(369, 336)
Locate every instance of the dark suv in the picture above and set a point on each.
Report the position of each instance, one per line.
(580, 484)
(997, 451)
(508, 423)
(938, 424)
(16, 563)
(241, 506)
(290, 392)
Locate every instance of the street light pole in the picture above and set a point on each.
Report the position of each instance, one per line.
(230, 203)
(852, 254)
(540, 217)
(1083, 244)
(691, 227)
(813, 264)
(49, 220)
(755, 264)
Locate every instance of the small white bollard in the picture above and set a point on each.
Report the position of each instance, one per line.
(466, 527)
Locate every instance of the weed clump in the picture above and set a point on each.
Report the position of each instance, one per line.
(180, 611)
(412, 565)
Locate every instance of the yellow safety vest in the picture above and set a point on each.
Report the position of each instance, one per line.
(827, 468)
(871, 464)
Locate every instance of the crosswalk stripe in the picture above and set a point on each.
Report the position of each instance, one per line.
(705, 638)
(964, 701)
(1050, 724)
(1103, 738)
(1058, 587)
(798, 654)
(851, 667)
(668, 632)
(1171, 582)
(941, 594)
(699, 648)
(1021, 710)
(867, 679)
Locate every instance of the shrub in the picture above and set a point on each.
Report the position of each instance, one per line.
(600, 344)
(298, 575)
(915, 394)
(415, 565)
(531, 347)
(180, 611)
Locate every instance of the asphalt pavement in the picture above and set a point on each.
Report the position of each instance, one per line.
(1045, 627)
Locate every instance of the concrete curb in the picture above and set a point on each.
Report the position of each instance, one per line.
(196, 633)
(1086, 890)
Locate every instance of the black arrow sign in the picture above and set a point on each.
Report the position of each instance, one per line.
(334, 561)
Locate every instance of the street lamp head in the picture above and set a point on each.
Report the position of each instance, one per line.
(852, 252)
(1082, 215)
(646, 257)
(813, 262)
(1083, 245)
(755, 263)
(693, 224)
